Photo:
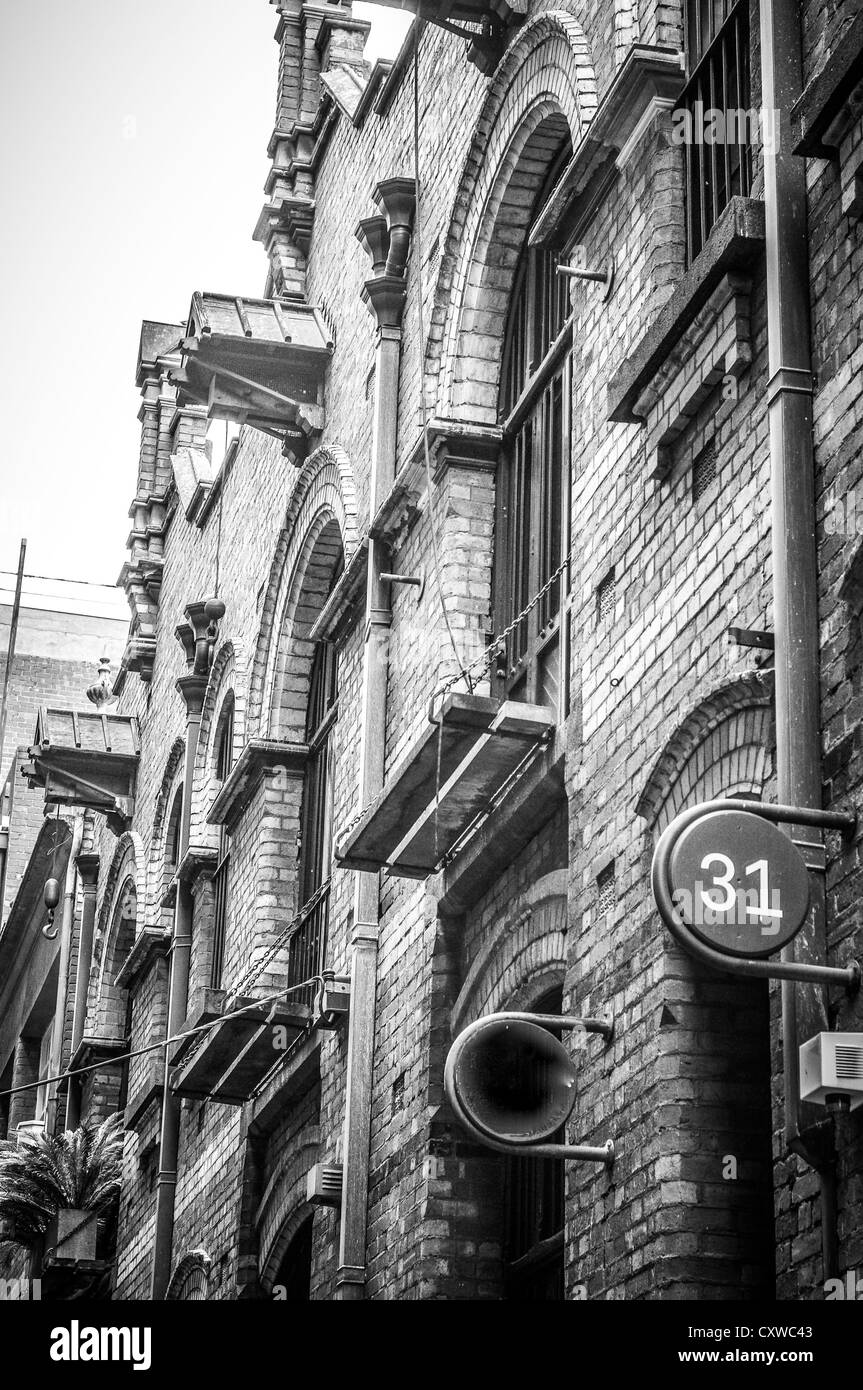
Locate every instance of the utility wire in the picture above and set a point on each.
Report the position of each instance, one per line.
(58, 579)
(165, 1042)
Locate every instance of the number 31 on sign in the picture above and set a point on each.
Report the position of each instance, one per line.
(739, 884)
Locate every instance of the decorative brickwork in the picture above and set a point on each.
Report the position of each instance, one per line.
(549, 887)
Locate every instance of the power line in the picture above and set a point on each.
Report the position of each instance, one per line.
(58, 579)
(165, 1042)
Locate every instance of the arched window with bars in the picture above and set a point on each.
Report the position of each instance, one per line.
(533, 493)
(308, 945)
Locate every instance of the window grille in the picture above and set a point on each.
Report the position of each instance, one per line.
(717, 80)
(703, 470)
(605, 890)
(606, 593)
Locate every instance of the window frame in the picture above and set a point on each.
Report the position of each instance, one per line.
(715, 173)
(531, 536)
(223, 762)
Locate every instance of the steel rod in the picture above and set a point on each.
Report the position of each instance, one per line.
(10, 651)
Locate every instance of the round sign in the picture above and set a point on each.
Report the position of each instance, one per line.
(739, 883)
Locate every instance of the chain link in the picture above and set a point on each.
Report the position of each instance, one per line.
(256, 970)
(498, 643)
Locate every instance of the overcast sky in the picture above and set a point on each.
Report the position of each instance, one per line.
(132, 154)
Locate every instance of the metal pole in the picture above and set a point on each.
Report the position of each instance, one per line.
(55, 1060)
(794, 551)
(10, 651)
(88, 872)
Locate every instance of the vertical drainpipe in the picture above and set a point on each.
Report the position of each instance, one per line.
(88, 870)
(795, 560)
(192, 687)
(385, 297)
(63, 971)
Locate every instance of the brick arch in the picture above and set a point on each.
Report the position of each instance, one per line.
(723, 747)
(325, 489)
(227, 679)
(543, 90)
(294, 652)
(522, 957)
(284, 1206)
(171, 780)
(191, 1277)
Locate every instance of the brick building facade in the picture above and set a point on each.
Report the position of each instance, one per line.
(425, 660)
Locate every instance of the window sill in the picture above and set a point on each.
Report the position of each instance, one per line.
(736, 241)
(823, 112)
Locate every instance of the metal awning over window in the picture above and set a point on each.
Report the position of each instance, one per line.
(443, 784)
(84, 759)
(228, 1061)
(470, 11)
(257, 361)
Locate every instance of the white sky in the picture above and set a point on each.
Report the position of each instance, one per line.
(132, 160)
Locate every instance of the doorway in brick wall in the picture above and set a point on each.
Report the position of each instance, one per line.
(294, 1278)
(534, 1213)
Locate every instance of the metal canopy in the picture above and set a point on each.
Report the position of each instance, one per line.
(86, 759)
(465, 759)
(257, 361)
(463, 11)
(229, 1061)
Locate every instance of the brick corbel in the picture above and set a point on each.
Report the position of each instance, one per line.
(151, 944)
(259, 758)
(453, 444)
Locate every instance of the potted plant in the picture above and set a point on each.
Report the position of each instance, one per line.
(54, 1188)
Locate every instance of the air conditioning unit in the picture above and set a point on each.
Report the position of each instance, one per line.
(831, 1065)
(324, 1185)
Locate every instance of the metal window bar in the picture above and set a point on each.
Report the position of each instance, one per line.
(220, 921)
(221, 878)
(307, 952)
(718, 79)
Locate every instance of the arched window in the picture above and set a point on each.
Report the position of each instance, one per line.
(309, 943)
(533, 493)
(534, 1213)
(190, 1281)
(221, 879)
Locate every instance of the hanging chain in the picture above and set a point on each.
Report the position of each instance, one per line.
(498, 643)
(255, 971)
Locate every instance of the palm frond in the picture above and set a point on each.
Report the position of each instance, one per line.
(81, 1168)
